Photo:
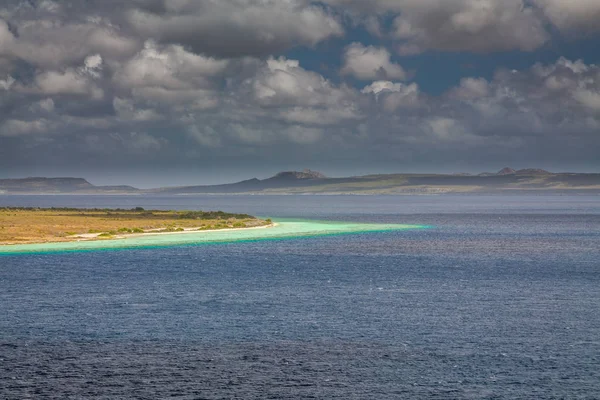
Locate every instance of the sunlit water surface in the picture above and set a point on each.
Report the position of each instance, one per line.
(499, 298)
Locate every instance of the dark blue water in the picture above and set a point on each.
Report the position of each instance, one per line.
(499, 300)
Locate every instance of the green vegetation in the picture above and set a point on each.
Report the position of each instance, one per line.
(34, 225)
(211, 215)
(130, 230)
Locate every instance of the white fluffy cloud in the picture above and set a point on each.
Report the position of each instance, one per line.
(298, 95)
(552, 100)
(369, 63)
(395, 95)
(172, 77)
(472, 88)
(169, 67)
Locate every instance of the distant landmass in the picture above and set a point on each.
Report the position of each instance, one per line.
(507, 180)
(58, 185)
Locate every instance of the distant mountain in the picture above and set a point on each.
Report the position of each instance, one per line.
(510, 171)
(282, 180)
(57, 186)
(506, 171)
(47, 185)
(306, 174)
(506, 180)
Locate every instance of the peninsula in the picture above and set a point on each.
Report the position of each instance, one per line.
(43, 225)
(283, 229)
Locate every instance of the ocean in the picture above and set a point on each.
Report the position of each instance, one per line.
(497, 299)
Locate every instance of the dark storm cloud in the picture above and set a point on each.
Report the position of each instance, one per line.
(237, 27)
(189, 83)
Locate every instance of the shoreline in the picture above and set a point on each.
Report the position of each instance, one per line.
(279, 230)
(193, 230)
(95, 237)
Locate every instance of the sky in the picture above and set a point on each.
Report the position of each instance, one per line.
(174, 92)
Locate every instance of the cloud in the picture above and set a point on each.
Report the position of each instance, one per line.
(297, 95)
(472, 88)
(17, 127)
(6, 38)
(589, 98)
(395, 95)
(171, 77)
(168, 67)
(127, 111)
(54, 44)
(259, 136)
(546, 100)
(443, 129)
(47, 105)
(369, 63)
(469, 25)
(206, 136)
(303, 135)
(236, 27)
(316, 116)
(479, 26)
(139, 142)
(79, 81)
(6, 84)
(201, 82)
(572, 16)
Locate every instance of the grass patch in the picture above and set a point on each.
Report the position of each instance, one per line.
(37, 225)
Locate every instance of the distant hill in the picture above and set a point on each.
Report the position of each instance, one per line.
(57, 186)
(280, 181)
(45, 184)
(306, 174)
(506, 171)
(507, 180)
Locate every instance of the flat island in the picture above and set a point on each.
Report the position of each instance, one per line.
(29, 230)
(43, 225)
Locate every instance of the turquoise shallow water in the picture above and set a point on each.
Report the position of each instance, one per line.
(283, 229)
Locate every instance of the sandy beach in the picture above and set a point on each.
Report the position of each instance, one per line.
(278, 230)
(155, 232)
